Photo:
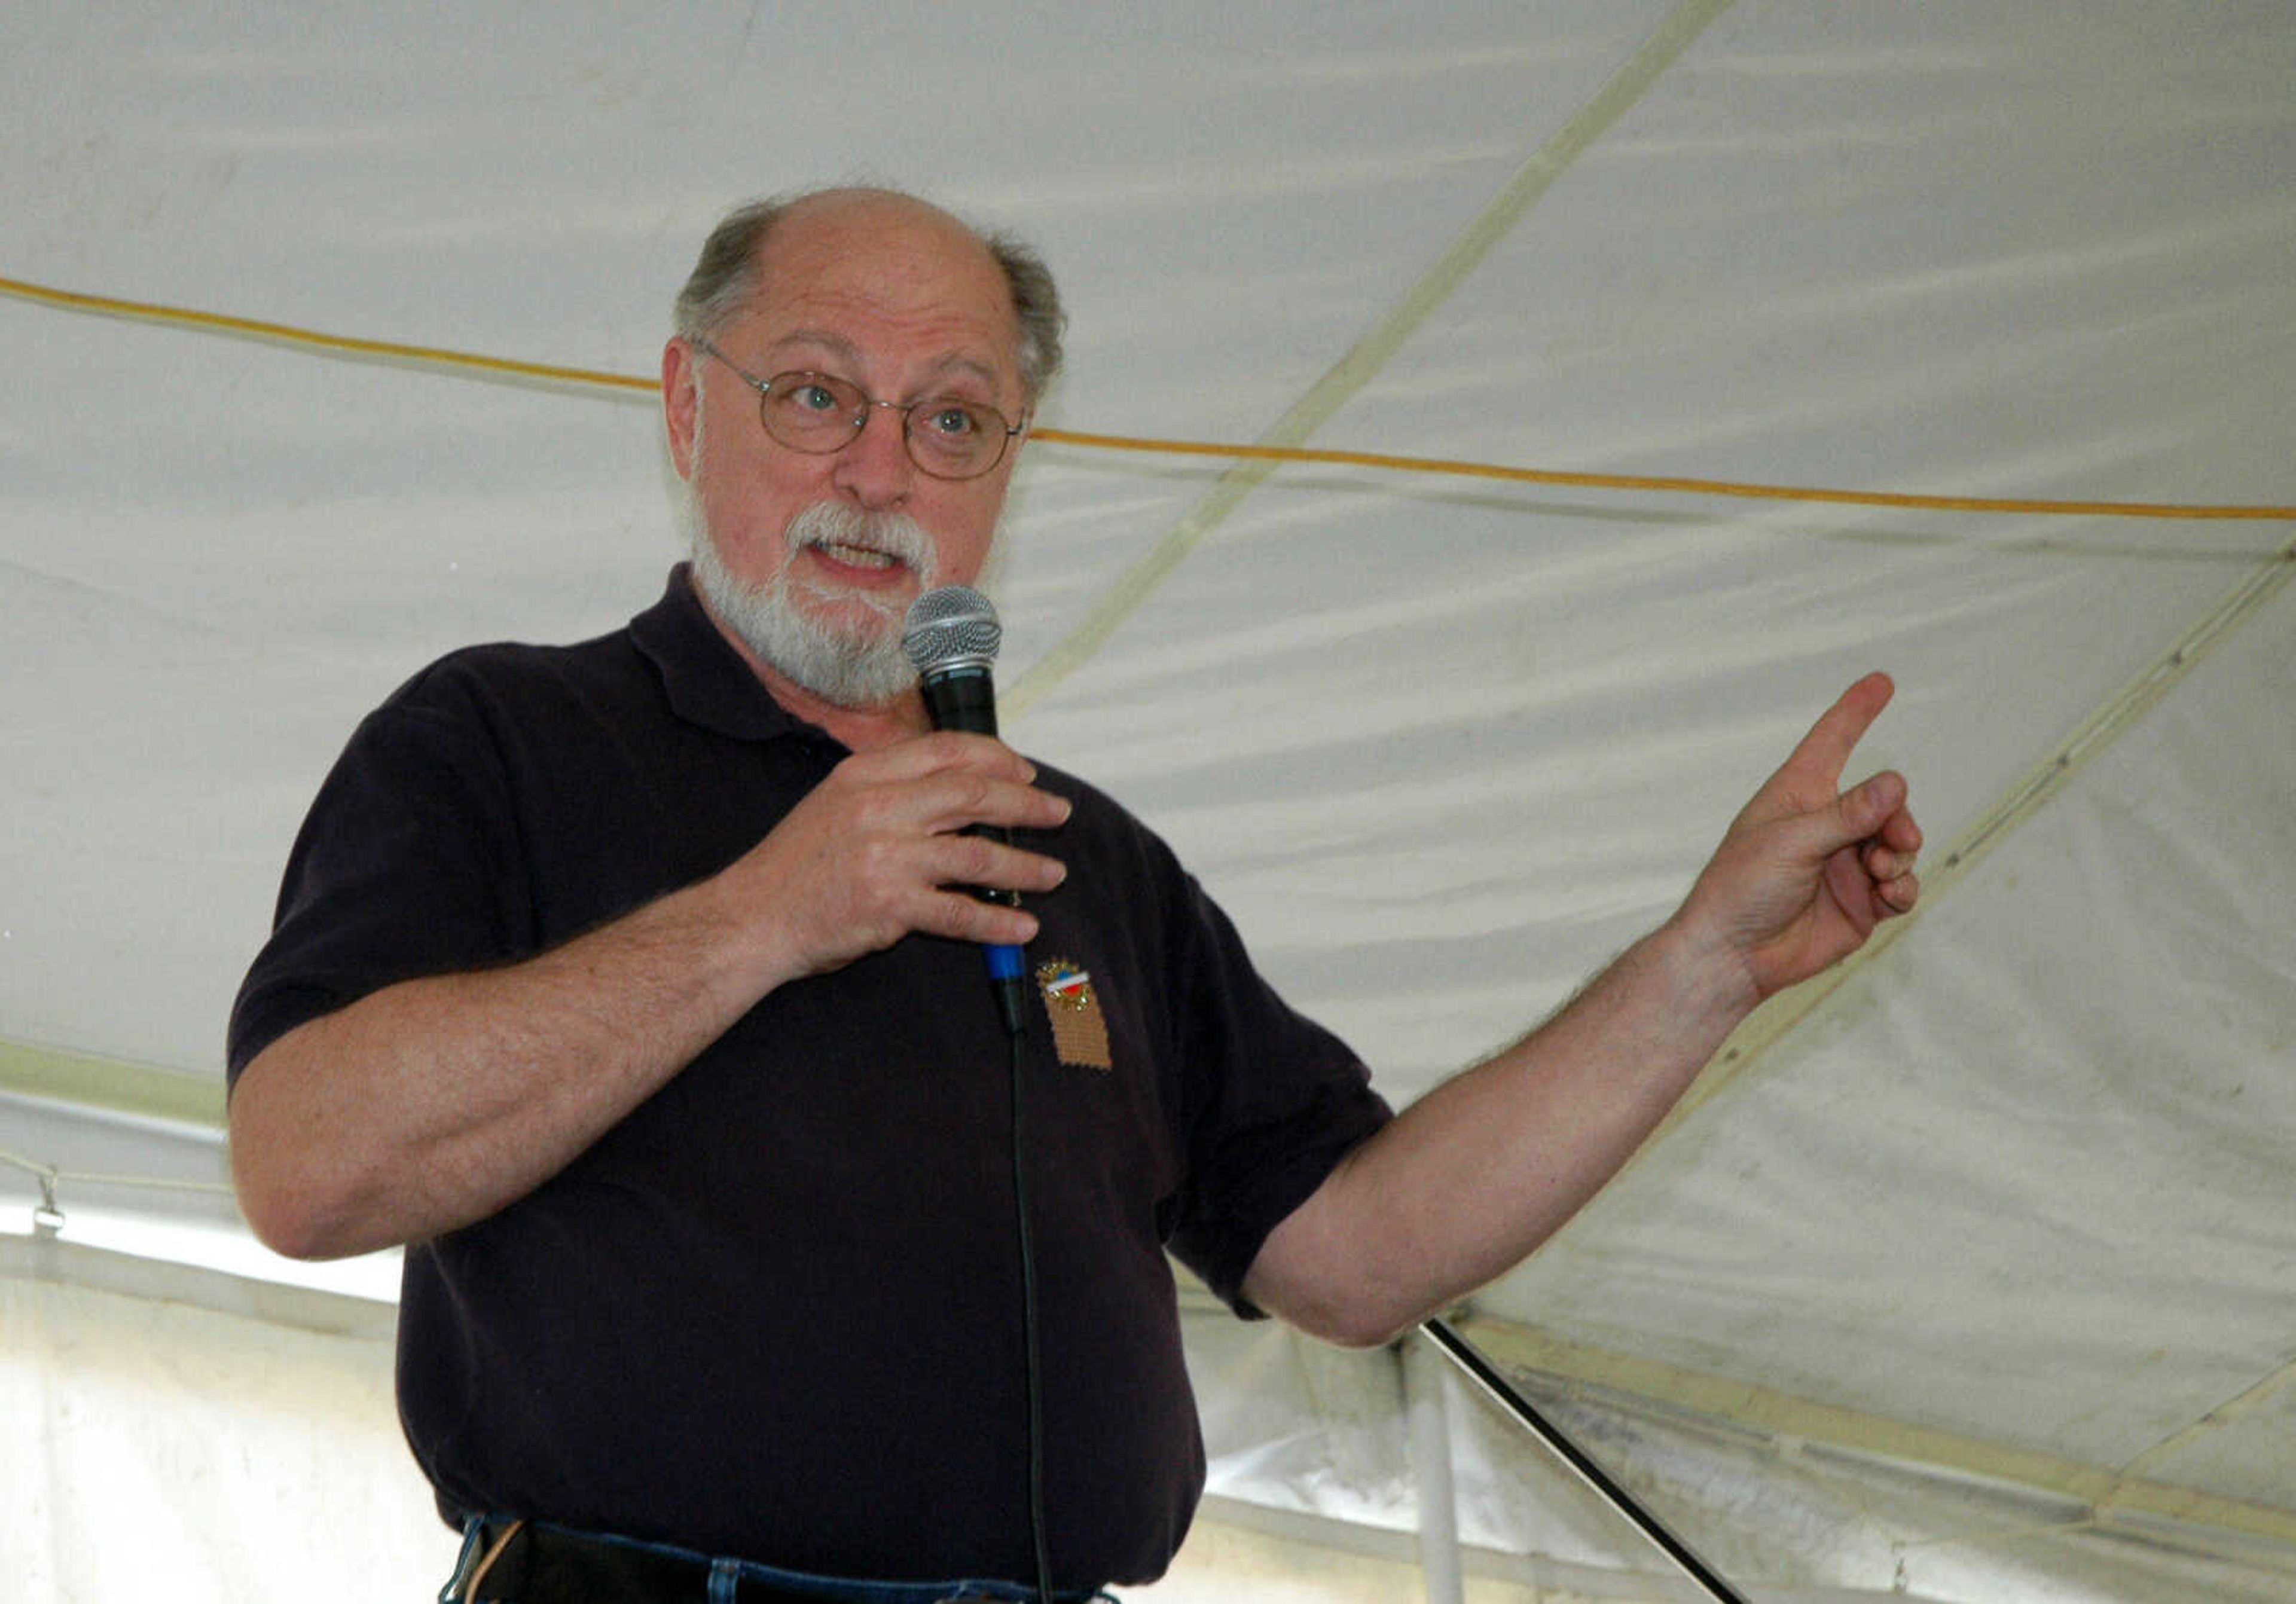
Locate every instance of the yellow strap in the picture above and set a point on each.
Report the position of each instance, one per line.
(216, 322)
(249, 328)
(1674, 484)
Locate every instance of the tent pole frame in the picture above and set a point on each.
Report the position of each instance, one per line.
(1462, 1353)
(1421, 1372)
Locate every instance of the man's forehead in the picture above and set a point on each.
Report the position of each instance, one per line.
(834, 264)
(881, 211)
(900, 250)
(804, 341)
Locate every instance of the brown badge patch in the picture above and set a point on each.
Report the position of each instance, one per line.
(1079, 1031)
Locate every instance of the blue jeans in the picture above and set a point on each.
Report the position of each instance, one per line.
(726, 1575)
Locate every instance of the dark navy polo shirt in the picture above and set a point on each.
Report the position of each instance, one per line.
(776, 1312)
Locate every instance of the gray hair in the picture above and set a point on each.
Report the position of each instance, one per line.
(725, 282)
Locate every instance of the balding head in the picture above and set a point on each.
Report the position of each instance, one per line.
(735, 267)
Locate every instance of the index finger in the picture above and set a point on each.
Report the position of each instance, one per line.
(940, 749)
(1825, 750)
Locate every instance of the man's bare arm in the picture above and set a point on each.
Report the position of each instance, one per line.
(1471, 1179)
(433, 1103)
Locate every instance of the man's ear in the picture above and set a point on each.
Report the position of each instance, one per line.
(679, 404)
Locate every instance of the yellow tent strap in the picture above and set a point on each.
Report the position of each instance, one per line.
(312, 339)
(431, 357)
(1671, 483)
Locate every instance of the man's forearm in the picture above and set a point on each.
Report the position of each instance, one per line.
(433, 1103)
(1473, 1177)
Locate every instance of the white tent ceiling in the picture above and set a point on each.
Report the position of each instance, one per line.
(2010, 1204)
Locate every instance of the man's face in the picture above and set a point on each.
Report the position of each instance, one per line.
(833, 548)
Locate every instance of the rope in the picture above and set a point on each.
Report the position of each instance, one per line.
(48, 1213)
(51, 1172)
(1673, 483)
(628, 385)
(313, 340)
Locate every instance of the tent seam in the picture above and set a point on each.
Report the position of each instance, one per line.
(1370, 354)
(2103, 728)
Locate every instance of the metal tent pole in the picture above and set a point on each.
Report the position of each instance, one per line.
(1462, 1353)
(1430, 1432)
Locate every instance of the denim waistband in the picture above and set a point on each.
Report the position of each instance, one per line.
(725, 1580)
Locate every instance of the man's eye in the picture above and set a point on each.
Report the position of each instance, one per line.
(814, 397)
(951, 419)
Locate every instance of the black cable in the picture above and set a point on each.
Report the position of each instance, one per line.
(1485, 1374)
(1034, 1363)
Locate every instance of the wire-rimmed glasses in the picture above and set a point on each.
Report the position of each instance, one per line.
(948, 436)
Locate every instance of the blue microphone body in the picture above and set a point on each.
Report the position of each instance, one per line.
(951, 635)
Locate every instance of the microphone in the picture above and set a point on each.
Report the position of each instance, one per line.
(951, 637)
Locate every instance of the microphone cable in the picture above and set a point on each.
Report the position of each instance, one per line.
(950, 637)
(1032, 1359)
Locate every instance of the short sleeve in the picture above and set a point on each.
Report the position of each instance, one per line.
(1275, 1102)
(403, 867)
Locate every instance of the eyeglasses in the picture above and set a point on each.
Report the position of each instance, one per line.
(947, 437)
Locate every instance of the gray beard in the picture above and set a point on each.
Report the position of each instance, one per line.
(849, 664)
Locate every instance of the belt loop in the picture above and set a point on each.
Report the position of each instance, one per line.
(724, 1581)
(460, 1579)
(463, 1584)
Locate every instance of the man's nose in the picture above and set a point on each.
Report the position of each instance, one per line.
(874, 469)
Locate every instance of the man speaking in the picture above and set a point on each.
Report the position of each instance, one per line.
(635, 987)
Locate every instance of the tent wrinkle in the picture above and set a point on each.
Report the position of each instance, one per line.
(1485, 437)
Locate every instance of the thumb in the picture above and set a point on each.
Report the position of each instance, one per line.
(1863, 809)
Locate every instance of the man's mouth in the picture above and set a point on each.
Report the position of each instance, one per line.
(854, 556)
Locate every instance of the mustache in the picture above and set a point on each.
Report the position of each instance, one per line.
(895, 534)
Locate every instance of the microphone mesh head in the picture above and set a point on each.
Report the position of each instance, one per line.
(951, 628)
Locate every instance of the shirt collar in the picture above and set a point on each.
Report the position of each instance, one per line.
(706, 679)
